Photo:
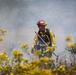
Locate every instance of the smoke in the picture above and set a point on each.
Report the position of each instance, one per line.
(19, 18)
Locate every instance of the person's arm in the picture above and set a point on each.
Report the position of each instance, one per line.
(35, 41)
(52, 37)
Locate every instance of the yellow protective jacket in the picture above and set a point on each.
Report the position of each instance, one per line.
(52, 38)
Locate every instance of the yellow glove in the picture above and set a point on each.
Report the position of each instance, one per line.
(49, 48)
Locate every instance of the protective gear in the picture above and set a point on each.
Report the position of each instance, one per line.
(45, 35)
(32, 50)
(42, 22)
(50, 38)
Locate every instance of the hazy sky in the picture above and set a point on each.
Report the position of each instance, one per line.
(19, 18)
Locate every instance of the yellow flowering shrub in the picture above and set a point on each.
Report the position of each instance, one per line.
(25, 60)
(17, 52)
(24, 45)
(3, 31)
(17, 65)
(38, 71)
(1, 38)
(11, 73)
(25, 67)
(61, 68)
(17, 55)
(35, 62)
(3, 56)
(68, 38)
(71, 44)
(44, 59)
(34, 67)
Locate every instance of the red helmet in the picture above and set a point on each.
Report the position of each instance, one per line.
(42, 22)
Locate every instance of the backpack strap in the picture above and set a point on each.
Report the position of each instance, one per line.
(48, 32)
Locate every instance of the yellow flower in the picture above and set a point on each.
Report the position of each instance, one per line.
(36, 71)
(71, 44)
(1, 38)
(44, 59)
(56, 74)
(36, 62)
(3, 56)
(17, 52)
(46, 72)
(68, 38)
(25, 66)
(37, 52)
(24, 45)
(61, 68)
(3, 31)
(26, 60)
(11, 73)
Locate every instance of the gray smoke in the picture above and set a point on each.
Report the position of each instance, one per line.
(19, 18)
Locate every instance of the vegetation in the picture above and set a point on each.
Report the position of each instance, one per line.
(18, 65)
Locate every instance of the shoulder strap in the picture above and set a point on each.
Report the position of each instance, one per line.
(48, 32)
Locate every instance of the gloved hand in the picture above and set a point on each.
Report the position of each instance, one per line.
(32, 50)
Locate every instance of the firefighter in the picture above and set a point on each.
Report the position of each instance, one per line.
(43, 38)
